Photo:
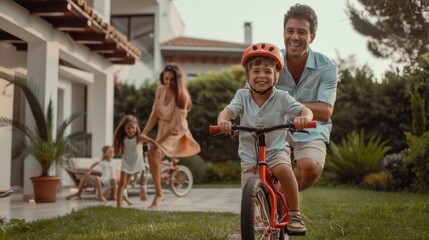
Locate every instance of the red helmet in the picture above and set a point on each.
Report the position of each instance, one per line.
(264, 49)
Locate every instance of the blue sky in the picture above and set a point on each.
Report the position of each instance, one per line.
(224, 20)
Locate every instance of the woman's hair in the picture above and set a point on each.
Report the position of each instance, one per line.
(300, 11)
(105, 149)
(182, 96)
(120, 134)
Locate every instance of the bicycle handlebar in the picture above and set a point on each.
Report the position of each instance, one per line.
(214, 129)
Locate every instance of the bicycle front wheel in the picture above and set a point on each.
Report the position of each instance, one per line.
(181, 181)
(256, 211)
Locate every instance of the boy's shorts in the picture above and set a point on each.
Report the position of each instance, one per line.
(249, 170)
(93, 181)
(315, 150)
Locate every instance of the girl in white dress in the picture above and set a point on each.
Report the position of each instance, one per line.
(128, 143)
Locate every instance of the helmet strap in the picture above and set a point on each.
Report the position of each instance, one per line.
(261, 92)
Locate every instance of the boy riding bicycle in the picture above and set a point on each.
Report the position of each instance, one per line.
(263, 105)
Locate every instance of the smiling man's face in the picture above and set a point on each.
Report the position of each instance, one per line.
(297, 37)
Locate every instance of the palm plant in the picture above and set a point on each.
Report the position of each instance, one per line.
(39, 142)
(353, 158)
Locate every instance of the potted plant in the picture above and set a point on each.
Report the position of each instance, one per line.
(39, 142)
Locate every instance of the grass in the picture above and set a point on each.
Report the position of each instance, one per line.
(103, 222)
(363, 214)
(331, 213)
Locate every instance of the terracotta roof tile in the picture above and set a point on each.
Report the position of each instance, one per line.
(198, 42)
(109, 30)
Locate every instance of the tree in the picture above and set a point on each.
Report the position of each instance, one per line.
(134, 101)
(378, 108)
(397, 29)
(210, 94)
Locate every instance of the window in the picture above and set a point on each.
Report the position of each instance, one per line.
(139, 29)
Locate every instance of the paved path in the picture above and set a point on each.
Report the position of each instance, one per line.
(199, 199)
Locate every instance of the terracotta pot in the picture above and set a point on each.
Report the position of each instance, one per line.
(45, 189)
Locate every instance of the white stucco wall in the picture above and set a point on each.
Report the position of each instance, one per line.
(6, 110)
(168, 25)
(41, 63)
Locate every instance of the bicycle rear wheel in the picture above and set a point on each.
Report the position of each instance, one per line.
(256, 212)
(181, 181)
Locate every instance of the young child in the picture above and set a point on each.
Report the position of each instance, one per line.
(263, 105)
(107, 178)
(128, 143)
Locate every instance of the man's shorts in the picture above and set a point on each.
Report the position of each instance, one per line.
(249, 170)
(315, 150)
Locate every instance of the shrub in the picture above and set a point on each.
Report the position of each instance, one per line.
(377, 181)
(197, 166)
(353, 158)
(401, 173)
(417, 159)
(223, 172)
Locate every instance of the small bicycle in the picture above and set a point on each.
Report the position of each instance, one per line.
(178, 178)
(264, 210)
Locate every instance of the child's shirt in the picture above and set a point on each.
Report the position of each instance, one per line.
(272, 113)
(108, 169)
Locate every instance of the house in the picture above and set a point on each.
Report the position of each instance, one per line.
(76, 50)
(70, 52)
(197, 56)
(157, 28)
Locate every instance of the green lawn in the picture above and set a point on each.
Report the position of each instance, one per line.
(332, 213)
(362, 214)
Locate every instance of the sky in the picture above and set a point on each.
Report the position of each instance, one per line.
(224, 20)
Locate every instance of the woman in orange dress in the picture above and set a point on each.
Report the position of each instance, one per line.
(169, 111)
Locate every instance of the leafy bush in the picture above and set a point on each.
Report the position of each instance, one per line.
(401, 174)
(354, 158)
(210, 94)
(377, 181)
(197, 166)
(223, 172)
(417, 160)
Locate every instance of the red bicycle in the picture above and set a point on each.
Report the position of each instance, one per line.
(264, 210)
(178, 178)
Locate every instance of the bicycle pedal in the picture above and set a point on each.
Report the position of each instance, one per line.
(293, 233)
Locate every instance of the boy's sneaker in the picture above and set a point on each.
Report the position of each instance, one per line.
(296, 224)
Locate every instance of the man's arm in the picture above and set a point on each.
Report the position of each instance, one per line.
(322, 111)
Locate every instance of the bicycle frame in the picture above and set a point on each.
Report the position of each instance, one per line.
(272, 186)
(170, 167)
(270, 182)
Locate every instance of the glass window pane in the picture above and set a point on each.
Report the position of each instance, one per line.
(142, 35)
(121, 24)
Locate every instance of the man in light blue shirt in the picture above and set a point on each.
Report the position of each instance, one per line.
(311, 78)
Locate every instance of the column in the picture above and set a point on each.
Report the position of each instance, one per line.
(100, 111)
(42, 66)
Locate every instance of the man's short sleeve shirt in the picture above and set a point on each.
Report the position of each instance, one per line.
(318, 83)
